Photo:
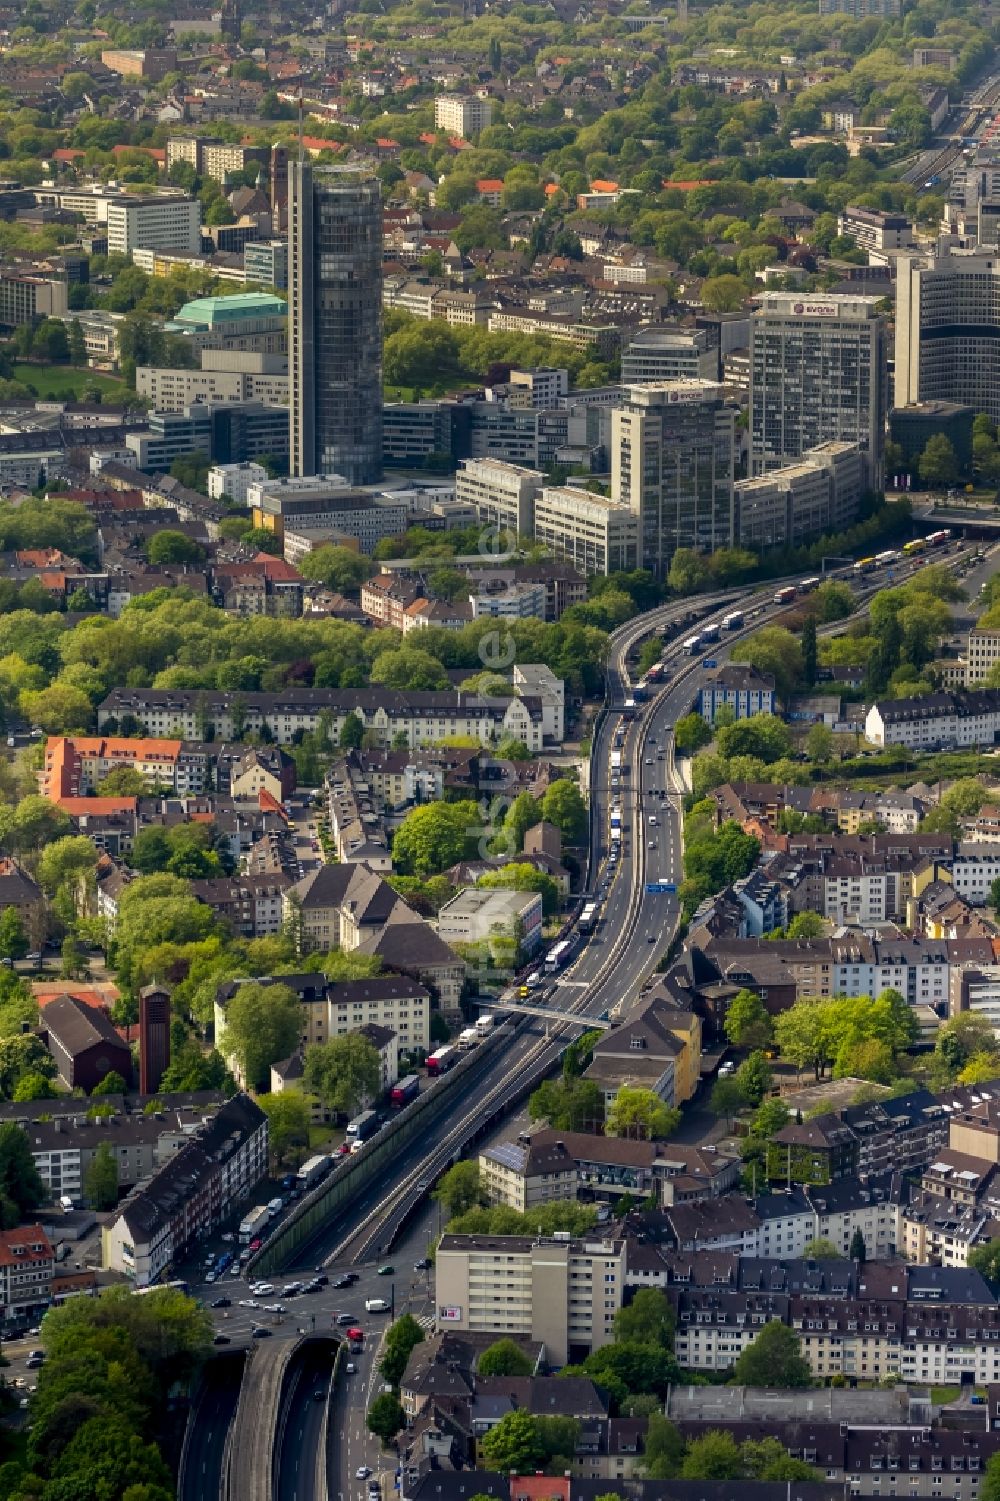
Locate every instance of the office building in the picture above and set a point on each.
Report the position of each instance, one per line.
(228, 432)
(912, 427)
(595, 534)
(860, 9)
(821, 493)
(948, 329)
(503, 494)
(266, 262)
(872, 230)
(541, 387)
(149, 64)
(25, 298)
(672, 459)
(462, 115)
(817, 373)
(225, 375)
(655, 354)
(563, 1292)
(335, 322)
(154, 223)
(154, 1037)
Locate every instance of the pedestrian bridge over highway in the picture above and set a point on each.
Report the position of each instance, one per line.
(553, 1014)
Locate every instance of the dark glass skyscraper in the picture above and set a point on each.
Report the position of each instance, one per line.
(335, 321)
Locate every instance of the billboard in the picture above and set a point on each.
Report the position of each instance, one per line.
(449, 1313)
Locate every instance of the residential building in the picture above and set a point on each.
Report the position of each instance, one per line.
(948, 328)
(27, 1264)
(672, 463)
(817, 374)
(937, 720)
(335, 322)
(563, 1292)
(153, 223)
(462, 115)
(233, 480)
(478, 914)
(535, 680)
(25, 298)
(424, 717)
(266, 262)
(742, 689)
(542, 387)
(595, 534)
(871, 229)
(190, 1195)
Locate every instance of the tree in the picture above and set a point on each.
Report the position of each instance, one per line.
(819, 743)
(563, 805)
(174, 547)
(77, 344)
(22, 1053)
(513, 1446)
(434, 836)
(665, 1448)
(344, 1072)
(691, 733)
(805, 925)
(100, 1180)
(112, 1083)
(33, 1086)
(460, 1189)
(21, 1188)
(990, 1488)
(964, 1036)
(649, 1318)
(641, 1115)
(747, 1021)
(821, 1249)
(713, 1456)
(938, 464)
(986, 1260)
(727, 1097)
(773, 1358)
(723, 294)
(858, 1250)
(338, 568)
(13, 939)
(386, 1417)
(688, 571)
(287, 1125)
(809, 650)
(754, 1078)
(263, 1024)
(505, 1358)
(59, 709)
(401, 1339)
(774, 650)
(409, 668)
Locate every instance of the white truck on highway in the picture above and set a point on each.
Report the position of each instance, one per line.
(255, 1223)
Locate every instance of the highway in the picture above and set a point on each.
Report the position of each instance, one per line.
(300, 1467)
(201, 1469)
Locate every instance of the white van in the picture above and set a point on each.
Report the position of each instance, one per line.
(376, 1305)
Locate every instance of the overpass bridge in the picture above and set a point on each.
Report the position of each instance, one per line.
(553, 1014)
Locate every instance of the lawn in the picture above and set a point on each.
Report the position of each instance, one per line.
(54, 380)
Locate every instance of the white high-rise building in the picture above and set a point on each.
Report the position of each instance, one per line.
(948, 328)
(462, 115)
(817, 374)
(154, 224)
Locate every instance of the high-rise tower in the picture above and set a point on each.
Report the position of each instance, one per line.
(335, 321)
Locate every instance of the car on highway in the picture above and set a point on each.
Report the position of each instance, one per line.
(362, 1472)
(319, 1395)
(350, 1368)
(221, 1339)
(260, 1332)
(222, 1303)
(341, 1282)
(275, 1308)
(321, 1278)
(387, 1270)
(262, 1289)
(248, 1303)
(345, 1318)
(422, 1265)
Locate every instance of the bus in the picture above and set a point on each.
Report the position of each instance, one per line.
(588, 917)
(785, 596)
(441, 1061)
(733, 620)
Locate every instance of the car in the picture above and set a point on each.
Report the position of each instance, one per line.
(650, 937)
(350, 1368)
(651, 845)
(352, 1277)
(342, 1282)
(362, 1472)
(423, 1184)
(228, 1237)
(262, 1289)
(34, 957)
(346, 1318)
(260, 1332)
(422, 1265)
(20, 1381)
(320, 1395)
(222, 1303)
(36, 1354)
(248, 1303)
(321, 1279)
(387, 1270)
(255, 1244)
(34, 1364)
(275, 1308)
(210, 1276)
(290, 1289)
(221, 1339)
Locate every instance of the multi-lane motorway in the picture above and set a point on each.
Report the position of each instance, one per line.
(636, 926)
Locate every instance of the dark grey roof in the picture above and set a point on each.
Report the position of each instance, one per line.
(77, 1027)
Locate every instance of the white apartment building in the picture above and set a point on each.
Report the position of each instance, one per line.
(543, 387)
(817, 372)
(462, 115)
(561, 1291)
(233, 480)
(595, 534)
(937, 720)
(477, 914)
(672, 463)
(503, 494)
(974, 868)
(154, 224)
(517, 602)
(872, 230)
(535, 680)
